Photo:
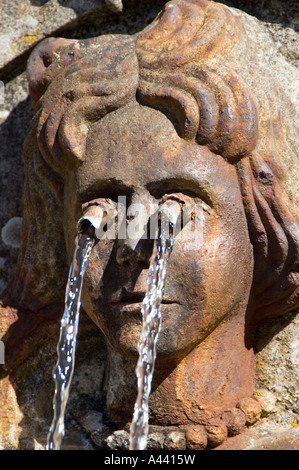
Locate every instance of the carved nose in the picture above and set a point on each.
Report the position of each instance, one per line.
(134, 253)
(136, 247)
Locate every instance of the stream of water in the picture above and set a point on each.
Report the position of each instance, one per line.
(151, 325)
(66, 347)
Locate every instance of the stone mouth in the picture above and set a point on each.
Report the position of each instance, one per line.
(132, 298)
(134, 307)
(132, 302)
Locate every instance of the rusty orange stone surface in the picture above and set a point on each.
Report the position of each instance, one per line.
(173, 110)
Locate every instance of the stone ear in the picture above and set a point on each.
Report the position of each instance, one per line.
(38, 73)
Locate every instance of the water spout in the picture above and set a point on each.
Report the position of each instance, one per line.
(66, 348)
(170, 212)
(88, 228)
(97, 214)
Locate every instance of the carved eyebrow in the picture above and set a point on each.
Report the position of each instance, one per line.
(109, 188)
(182, 184)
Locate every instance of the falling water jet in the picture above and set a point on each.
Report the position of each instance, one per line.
(87, 228)
(170, 212)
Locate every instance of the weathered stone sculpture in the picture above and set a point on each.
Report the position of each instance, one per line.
(182, 108)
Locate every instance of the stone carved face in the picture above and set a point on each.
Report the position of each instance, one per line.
(144, 165)
(171, 110)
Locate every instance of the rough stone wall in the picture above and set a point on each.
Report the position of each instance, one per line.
(23, 24)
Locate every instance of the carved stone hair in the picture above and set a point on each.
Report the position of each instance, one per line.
(196, 64)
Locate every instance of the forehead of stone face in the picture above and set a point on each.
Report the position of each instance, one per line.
(129, 143)
(137, 146)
